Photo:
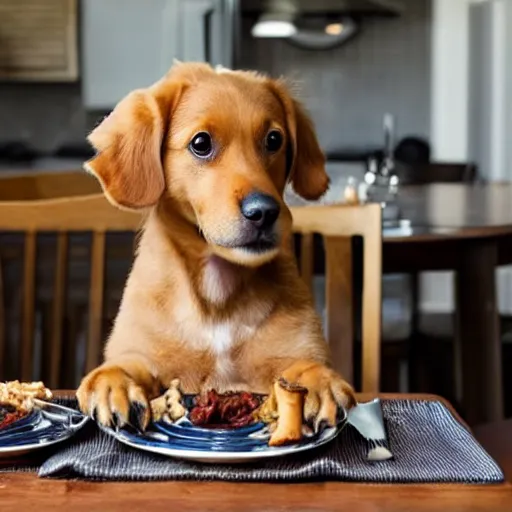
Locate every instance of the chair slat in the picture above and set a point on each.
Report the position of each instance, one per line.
(339, 302)
(372, 307)
(338, 224)
(59, 293)
(74, 314)
(306, 259)
(28, 308)
(96, 301)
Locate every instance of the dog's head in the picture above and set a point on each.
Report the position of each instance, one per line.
(221, 145)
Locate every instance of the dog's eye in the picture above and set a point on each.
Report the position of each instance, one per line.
(274, 141)
(201, 145)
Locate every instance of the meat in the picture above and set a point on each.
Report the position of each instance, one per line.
(230, 410)
(9, 414)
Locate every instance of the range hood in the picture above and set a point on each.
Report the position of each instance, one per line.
(352, 8)
(318, 24)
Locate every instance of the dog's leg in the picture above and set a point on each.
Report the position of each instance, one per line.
(326, 390)
(117, 393)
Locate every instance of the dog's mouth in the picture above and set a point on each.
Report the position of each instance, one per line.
(247, 248)
(258, 246)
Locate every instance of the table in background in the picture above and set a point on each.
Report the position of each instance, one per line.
(466, 228)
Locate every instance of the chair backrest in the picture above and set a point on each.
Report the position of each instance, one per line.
(48, 208)
(338, 225)
(61, 204)
(438, 172)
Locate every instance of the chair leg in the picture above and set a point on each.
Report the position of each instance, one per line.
(415, 341)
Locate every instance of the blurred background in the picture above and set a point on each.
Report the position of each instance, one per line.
(415, 82)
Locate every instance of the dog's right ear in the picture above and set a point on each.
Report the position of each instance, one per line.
(128, 142)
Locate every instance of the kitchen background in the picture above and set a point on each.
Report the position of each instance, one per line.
(387, 68)
(441, 68)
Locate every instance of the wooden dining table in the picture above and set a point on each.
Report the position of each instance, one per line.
(466, 228)
(27, 492)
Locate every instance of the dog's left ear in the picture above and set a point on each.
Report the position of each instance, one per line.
(128, 142)
(307, 161)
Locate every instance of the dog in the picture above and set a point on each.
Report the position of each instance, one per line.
(214, 297)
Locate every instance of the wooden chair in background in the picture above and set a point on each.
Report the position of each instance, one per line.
(64, 205)
(337, 225)
(60, 204)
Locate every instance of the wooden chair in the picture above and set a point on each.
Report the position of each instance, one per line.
(61, 204)
(52, 203)
(337, 225)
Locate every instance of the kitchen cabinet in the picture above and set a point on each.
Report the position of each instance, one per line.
(127, 44)
(38, 40)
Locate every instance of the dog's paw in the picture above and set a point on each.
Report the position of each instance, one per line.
(114, 399)
(326, 392)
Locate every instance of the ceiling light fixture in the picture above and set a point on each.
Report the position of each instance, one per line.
(334, 29)
(323, 34)
(277, 20)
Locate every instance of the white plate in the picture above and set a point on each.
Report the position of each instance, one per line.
(187, 442)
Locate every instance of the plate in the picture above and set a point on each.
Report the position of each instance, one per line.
(46, 425)
(183, 440)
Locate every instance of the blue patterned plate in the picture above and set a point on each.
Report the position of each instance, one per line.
(185, 441)
(48, 424)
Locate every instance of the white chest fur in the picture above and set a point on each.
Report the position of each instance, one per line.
(222, 341)
(219, 280)
(223, 338)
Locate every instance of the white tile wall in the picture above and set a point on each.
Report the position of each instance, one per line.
(348, 89)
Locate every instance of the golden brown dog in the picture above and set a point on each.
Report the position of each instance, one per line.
(214, 297)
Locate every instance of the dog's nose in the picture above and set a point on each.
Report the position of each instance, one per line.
(261, 209)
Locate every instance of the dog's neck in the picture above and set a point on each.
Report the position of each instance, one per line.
(216, 282)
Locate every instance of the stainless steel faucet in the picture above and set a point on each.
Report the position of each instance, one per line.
(380, 177)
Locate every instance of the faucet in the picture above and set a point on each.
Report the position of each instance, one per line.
(380, 177)
(388, 163)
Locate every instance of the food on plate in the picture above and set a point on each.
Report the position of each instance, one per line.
(282, 410)
(289, 402)
(21, 394)
(169, 406)
(17, 399)
(228, 410)
(9, 414)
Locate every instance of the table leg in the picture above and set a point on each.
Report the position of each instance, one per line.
(478, 332)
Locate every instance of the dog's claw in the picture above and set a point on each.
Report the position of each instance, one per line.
(320, 425)
(117, 422)
(137, 418)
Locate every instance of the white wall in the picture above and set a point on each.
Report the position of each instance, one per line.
(489, 92)
(449, 117)
(471, 109)
(449, 79)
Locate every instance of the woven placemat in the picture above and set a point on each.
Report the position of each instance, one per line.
(429, 446)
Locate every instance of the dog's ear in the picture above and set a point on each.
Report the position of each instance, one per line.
(128, 142)
(307, 161)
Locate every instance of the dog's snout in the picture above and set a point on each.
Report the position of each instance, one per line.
(261, 209)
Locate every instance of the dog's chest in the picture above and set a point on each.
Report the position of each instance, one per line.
(223, 343)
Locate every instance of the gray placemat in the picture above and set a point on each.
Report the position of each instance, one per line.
(429, 446)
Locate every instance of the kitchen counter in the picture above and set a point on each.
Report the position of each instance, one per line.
(42, 164)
